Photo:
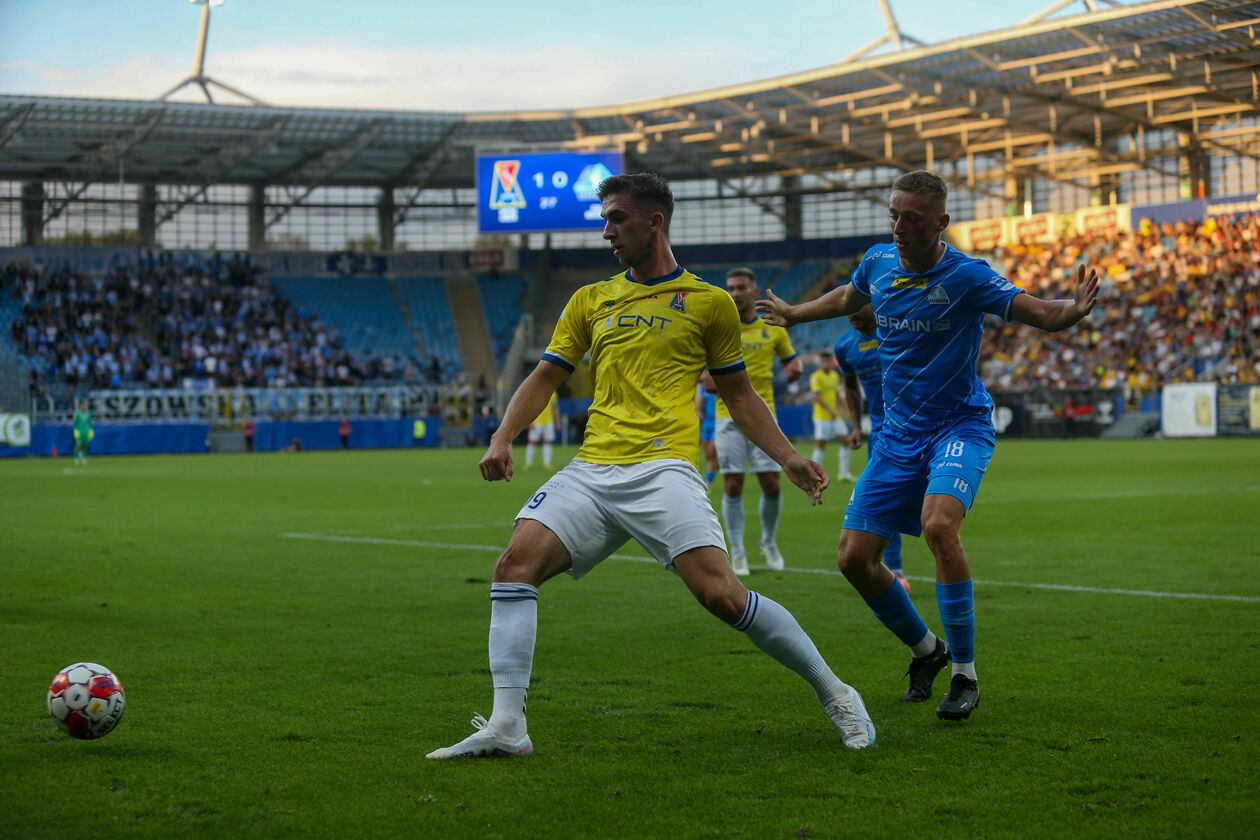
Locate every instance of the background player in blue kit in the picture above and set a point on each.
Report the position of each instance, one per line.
(922, 476)
(857, 356)
(706, 410)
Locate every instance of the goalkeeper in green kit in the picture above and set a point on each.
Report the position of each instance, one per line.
(82, 432)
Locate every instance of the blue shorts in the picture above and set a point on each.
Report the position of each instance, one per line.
(706, 429)
(901, 469)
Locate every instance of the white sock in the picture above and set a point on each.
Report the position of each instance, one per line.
(733, 516)
(773, 629)
(818, 454)
(513, 628)
(967, 669)
(529, 454)
(844, 460)
(924, 646)
(769, 509)
(547, 449)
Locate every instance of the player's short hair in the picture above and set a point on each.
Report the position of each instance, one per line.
(645, 188)
(924, 183)
(825, 354)
(742, 271)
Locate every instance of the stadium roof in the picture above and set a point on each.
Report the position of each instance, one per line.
(1045, 98)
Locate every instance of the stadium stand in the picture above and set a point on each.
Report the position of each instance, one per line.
(363, 312)
(430, 311)
(501, 296)
(1184, 305)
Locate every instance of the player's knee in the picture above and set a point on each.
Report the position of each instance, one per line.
(854, 560)
(940, 530)
(515, 566)
(724, 602)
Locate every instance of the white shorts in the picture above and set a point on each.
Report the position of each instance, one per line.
(542, 432)
(594, 509)
(736, 453)
(837, 427)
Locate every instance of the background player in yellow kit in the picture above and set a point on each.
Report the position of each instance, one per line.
(543, 430)
(737, 453)
(831, 414)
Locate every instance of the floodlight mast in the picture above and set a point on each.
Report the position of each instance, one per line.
(199, 76)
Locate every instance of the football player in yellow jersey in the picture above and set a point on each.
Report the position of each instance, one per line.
(650, 331)
(543, 430)
(831, 416)
(736, 451)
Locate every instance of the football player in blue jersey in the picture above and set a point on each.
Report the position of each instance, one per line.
(650, 331)
(857, 357)
(930, 301)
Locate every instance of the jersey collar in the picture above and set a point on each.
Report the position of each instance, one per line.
(673, 275)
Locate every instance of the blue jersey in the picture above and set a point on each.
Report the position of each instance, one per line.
(858, 355)
(710, 407)
(929, 328)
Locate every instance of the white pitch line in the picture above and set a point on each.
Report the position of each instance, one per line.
(1123, 494)
(1145, 593)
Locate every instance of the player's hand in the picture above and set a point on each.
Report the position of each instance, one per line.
(496, 464)
(774, 311)
(855, 439)
(1087, 284)
(809, 476)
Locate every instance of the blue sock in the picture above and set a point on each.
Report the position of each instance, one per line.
(895, 609)
(892, 554)
(958, 613)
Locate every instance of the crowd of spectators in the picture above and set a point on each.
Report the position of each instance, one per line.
(81, 328)
(162, 322)
(1180, 303)
(228, 324)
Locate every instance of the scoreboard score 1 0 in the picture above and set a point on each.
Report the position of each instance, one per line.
(540, 192)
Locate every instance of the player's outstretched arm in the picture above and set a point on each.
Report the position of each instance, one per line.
(527, 403)
(1056, 315)
(842, 300)
(753, 416)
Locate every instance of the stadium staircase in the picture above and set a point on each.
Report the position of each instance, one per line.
(13, 395)
(1133, 424)
(470, 327)
(405, 310)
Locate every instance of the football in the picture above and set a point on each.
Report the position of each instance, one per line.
(86, 700)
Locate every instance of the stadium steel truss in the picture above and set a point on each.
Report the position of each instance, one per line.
(1160, 86)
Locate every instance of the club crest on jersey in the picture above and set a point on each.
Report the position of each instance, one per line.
(677, 302)
(937, 295)
(909, 283)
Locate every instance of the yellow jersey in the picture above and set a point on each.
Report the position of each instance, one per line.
(649, 341)
(827, 383)
(546, 418)
(762, 344)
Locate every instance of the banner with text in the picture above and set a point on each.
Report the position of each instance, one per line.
(233, 406)
(1189, 409)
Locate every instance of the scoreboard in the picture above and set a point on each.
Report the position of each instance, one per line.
(539, 192)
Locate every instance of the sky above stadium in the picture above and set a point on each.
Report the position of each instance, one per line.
(456, 55)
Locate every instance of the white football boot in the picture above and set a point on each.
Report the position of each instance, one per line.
(739, 561)
(848, 713)
(773, 558)
(485, 743)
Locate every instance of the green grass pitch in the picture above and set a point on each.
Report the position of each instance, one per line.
(295, 632)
